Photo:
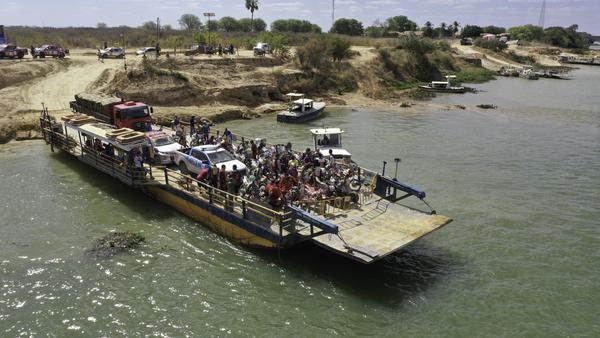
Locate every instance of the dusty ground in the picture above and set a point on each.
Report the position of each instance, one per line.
(493, 61)
(219, 88)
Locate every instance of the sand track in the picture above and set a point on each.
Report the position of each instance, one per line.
(58, 88)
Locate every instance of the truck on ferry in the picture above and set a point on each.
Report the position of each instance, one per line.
(113, 110)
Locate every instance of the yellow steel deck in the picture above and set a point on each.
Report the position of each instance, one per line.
(376, 229)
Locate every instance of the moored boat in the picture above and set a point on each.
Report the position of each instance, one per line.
(443, 86)
(528, 73)
(300, 109)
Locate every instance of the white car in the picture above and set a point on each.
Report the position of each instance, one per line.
(261, 48)
(194, 160)
(143, 51)
(112, 52)
(164, 147)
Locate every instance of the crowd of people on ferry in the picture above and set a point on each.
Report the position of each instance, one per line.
(274, 174)
(278, 175)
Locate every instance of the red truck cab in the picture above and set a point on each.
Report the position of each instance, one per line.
(134, 115)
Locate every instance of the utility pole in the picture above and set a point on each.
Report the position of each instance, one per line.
(332, 12)
(542, 14)
(157, 30)
(124, 53)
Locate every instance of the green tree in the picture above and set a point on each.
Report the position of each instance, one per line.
(294, 26)
(565, 37)
(455, 27)
(339, 49)
(199, 38)
(493, 30)
(280, 25)
(246, 25)
(190, 22)
(312, 56)
(259, 25)
(174, 41)
(400, 24)
(375, 31)
(149, 26)
(443, 31)
(252, 5)
(213, 25)
(229, 24)
(428, 30)
(527, 33)
(471, 31)
(348, 27)
(101, 25)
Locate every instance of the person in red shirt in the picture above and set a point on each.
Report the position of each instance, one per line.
(275, 200)
(287, 183)
(223, 178)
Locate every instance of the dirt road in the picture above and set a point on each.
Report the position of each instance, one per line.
(56, 89)
(487, 61)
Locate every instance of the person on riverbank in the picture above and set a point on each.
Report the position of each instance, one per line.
(176, 123)
(228, 136)
(192, 125)
(206, 130)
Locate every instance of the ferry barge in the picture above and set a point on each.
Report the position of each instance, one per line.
(364, 229)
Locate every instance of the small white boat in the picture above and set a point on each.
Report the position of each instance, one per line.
(300, 109)
(330, 139)
(443, 86)
(528, 73)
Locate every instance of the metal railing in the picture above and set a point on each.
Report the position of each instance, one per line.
(231, 203)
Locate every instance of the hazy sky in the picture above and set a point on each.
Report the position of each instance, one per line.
(506, 13)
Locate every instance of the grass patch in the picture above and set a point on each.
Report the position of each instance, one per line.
(474, 76)
(403, 85)
(526, 59)
(163, 72)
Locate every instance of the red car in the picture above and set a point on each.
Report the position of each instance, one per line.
(12, 52)
(50, 50)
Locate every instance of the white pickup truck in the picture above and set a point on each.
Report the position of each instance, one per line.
(261, 48)
(194, 160)
(164, 147)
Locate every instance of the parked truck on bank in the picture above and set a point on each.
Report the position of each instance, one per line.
(113, 110)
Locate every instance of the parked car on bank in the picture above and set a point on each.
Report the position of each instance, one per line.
(261, 48)
(112, 52)
(11, 51)
(466, 42)
(145, 50)
(51, 51)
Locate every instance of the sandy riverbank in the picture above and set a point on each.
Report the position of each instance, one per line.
(219, 89)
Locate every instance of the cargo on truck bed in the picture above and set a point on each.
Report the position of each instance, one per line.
(113, 110)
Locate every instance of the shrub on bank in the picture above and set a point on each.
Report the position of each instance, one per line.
(494, 45)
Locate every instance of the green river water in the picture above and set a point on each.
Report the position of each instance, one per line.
(522, 257)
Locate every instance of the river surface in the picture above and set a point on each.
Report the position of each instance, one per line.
(522, 257)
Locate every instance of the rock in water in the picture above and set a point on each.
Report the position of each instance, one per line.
(487, 106)
(115, 243)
